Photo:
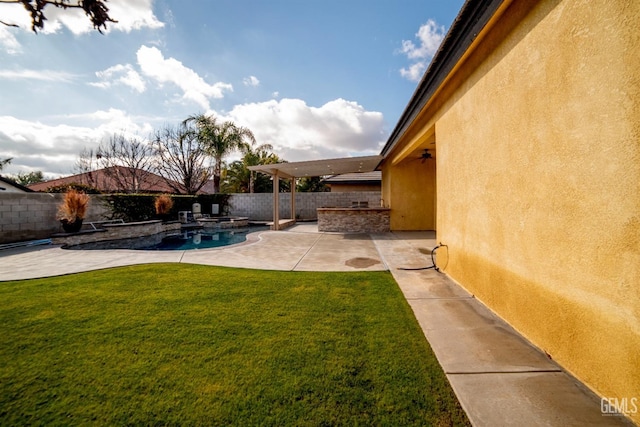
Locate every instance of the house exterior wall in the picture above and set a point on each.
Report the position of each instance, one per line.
(5, 187)
(538, 181)
(409, 189)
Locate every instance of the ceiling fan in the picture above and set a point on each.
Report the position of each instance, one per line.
(425, 155)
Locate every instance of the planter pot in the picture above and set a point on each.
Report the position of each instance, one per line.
(71, 227)
(165, 217)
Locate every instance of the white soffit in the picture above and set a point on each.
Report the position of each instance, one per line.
(320, 167)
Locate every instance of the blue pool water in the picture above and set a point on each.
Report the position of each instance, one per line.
(192, 239)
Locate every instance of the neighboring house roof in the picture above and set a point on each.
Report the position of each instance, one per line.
(364, 178)
(6, 182)
(207, 188)
(473, 17)
(110, 180)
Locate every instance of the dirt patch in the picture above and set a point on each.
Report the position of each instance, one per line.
(361, 262)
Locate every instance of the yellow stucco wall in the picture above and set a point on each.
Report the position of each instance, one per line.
(409, 189)
(538, 181)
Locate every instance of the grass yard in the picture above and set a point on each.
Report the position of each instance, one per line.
(176, 344)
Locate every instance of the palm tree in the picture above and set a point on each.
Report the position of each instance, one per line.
(219, 140)
(253, 156)
(238, 177)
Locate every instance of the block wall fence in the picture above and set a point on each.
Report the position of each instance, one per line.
(30, 216)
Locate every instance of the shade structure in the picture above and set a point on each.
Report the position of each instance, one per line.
(320, 167)
(295, 170)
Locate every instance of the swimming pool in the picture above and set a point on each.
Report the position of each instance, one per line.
(186, 240)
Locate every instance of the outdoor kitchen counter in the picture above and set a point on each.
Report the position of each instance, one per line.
(353, 220)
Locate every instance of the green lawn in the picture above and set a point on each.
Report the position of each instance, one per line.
(176, 344)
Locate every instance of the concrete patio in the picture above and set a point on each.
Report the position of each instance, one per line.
(498, 376)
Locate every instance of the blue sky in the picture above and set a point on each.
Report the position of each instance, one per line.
(315, 79)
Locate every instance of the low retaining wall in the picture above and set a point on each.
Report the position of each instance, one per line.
(354, 220)
(115, 232)
(224, 223)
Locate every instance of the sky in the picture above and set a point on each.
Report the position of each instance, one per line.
(315, 79)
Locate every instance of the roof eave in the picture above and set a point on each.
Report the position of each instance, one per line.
(16, 185)
(471, 19)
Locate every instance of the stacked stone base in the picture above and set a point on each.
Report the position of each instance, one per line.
(354, 220)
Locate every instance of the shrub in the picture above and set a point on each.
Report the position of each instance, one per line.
(73, 206)
(63, 188)
(141, 207)
(163, 204)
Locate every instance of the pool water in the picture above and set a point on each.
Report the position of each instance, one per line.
(192, 239)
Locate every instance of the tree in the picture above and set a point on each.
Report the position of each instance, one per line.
(5, 162)
(238, 177)
(219, 140)
(27, 178)
(96, 10)
(86, 165)
(181, 159)
(310, 184)
(127, 162)
(253, 156)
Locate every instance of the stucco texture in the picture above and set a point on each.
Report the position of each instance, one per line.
(538, 182)
(410, 191)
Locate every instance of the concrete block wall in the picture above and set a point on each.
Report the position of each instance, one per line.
(31, 216)
(259, 207)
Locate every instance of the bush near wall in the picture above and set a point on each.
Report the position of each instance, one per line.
(82, 188)
(140, 207)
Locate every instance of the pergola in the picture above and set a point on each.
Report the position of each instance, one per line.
(295, 170)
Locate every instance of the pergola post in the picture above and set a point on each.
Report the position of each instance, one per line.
(276, 201)
(293, 198)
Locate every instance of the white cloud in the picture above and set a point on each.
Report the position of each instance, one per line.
(251, 81)
(15, 14)
(154, 65)
(133, 15)
(430, 35)
(414, 72)
(54, 149)
(120, 74)
(8, 41)
(298, 131)
(43, 75)
(130, 14)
